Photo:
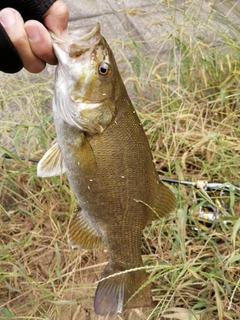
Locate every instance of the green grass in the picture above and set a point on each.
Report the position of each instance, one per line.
(188, 101)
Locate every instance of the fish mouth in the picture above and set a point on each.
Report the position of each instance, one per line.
(79, 41)
(83, 40)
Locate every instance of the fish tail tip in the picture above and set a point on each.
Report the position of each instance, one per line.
(109, 299)
(116, 293)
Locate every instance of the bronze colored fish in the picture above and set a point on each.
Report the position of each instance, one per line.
(103, 149)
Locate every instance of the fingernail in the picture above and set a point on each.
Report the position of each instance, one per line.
(64, 34)
(7, 18)
(33, 34)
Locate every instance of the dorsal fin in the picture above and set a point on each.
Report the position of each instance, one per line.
(164, 201)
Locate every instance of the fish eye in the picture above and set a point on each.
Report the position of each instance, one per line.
(104, 69)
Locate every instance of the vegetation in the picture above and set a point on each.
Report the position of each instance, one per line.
(188, 101)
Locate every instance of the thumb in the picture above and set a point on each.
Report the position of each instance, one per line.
(56, 19)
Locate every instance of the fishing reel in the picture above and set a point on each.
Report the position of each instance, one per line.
(212, 206)
(208, 216)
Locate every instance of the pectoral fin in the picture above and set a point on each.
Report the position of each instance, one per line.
(51, 163)
(81, 233)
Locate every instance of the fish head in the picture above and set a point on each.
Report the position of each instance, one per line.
(85, 85)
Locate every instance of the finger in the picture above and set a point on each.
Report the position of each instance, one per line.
(40, 41)
(56, 19)
(14, 26)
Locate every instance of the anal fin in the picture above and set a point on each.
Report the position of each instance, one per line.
(81, 234)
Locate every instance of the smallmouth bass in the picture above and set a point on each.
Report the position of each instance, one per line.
(104, 151)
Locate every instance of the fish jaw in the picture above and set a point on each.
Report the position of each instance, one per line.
(84, 98)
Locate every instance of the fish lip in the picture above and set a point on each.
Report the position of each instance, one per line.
(56, 39)
(75, 34)
(93, 31)
(79, 41)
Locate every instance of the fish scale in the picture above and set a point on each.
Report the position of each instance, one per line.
(104, 151)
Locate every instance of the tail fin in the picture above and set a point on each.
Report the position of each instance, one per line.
(114, 293)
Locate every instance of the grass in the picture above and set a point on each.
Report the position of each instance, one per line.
(188, 101)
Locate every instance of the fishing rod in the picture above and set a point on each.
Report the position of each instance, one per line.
(199, 184)
(205, 185)
(206, 214)
(7, 156)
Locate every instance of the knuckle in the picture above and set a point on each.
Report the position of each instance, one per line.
(63, 10)
(60, 9)
(19, 39)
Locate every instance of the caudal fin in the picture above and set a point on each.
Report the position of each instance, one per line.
(117, 292)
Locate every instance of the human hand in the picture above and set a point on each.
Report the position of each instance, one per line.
(31, 39)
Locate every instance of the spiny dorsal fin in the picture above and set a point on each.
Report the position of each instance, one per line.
(81, 233)
(51, 163)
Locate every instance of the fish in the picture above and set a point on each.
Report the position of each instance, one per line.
(102, 147)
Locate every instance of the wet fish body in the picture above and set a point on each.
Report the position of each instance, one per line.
(103, 149)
